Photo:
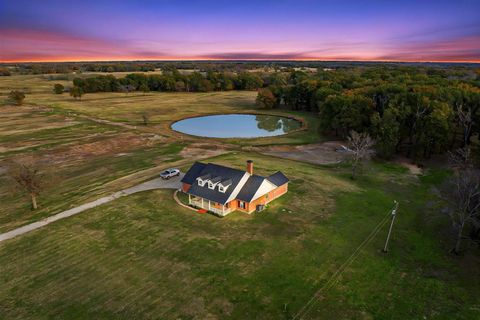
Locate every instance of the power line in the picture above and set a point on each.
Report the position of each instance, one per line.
(306, 308)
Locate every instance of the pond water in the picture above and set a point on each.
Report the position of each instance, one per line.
(236, 126)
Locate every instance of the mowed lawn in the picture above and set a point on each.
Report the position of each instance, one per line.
(144, 257)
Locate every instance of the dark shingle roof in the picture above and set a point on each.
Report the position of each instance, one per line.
(216, 179)
(250, 188)
(228, 177)
(193, 172)
(226, 182)
(278, 179)
(216, 171)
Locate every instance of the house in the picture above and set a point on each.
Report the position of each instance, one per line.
(221, 189)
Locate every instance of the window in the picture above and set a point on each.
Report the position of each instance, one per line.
(241, 205)
(201, 183)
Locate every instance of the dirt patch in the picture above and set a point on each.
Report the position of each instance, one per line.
(414, 169)
(203, 150)
(118, 144)
(317, 153)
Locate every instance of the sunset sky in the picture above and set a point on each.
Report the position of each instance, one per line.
(404, 30)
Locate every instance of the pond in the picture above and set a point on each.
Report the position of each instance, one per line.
(236, 126)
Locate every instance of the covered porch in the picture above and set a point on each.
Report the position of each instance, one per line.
(211, 206)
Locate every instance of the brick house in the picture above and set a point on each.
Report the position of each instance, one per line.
(221, 189)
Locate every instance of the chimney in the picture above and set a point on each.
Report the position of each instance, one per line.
(250, 166)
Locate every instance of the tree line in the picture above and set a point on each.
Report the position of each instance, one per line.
(171, 81)
(415, 111)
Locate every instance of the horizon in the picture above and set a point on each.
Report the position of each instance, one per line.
(345, 30)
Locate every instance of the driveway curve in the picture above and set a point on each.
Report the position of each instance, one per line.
(157, 183)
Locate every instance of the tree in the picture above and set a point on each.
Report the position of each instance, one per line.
(145, 119)
(30, 177)
(180, 86)
(386, 132)
(144, 88)
(76, 92)
(127, 88)
(16, 97)
(58, 88)
(360, 146)
(265, 99)
(463, 194)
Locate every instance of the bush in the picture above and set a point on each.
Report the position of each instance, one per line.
(76, 92)
(16, 96)
(5, 72)
(265, 99)
(58, 88)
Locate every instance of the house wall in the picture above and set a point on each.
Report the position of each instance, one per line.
(233, 205)
(250, 206)
(272, 195)
(186, 187)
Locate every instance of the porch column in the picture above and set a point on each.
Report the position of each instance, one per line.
(189, 200)
(208, 205)
(202, 203)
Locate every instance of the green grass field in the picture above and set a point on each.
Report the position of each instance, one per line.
(88, 154)
(145, 257)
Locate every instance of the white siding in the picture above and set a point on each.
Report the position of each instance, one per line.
(265, 187)
(239, 187)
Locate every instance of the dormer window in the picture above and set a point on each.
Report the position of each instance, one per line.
(223, 186)
(202, 180)
(212, 183)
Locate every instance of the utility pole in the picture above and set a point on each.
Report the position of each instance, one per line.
(394, 213)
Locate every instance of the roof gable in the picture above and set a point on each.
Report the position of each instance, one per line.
(278, 178)
(250, 188)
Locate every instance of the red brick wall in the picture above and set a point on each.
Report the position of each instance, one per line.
(272, 195)
(186, 187)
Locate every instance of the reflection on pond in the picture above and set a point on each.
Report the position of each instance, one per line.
(236, 126)
(275, 123)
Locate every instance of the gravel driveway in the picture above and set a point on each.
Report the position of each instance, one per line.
(157, 183)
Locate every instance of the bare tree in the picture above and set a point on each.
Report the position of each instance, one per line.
(145, 119)
(461, 159)
(465, 121)
(30, 177)
(463, 194)
(360, 147)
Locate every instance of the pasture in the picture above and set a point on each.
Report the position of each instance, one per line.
(313, 254)
(145, 257)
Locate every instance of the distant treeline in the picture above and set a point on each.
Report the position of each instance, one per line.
(204, 66)
(171, 80)
(413, 110)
